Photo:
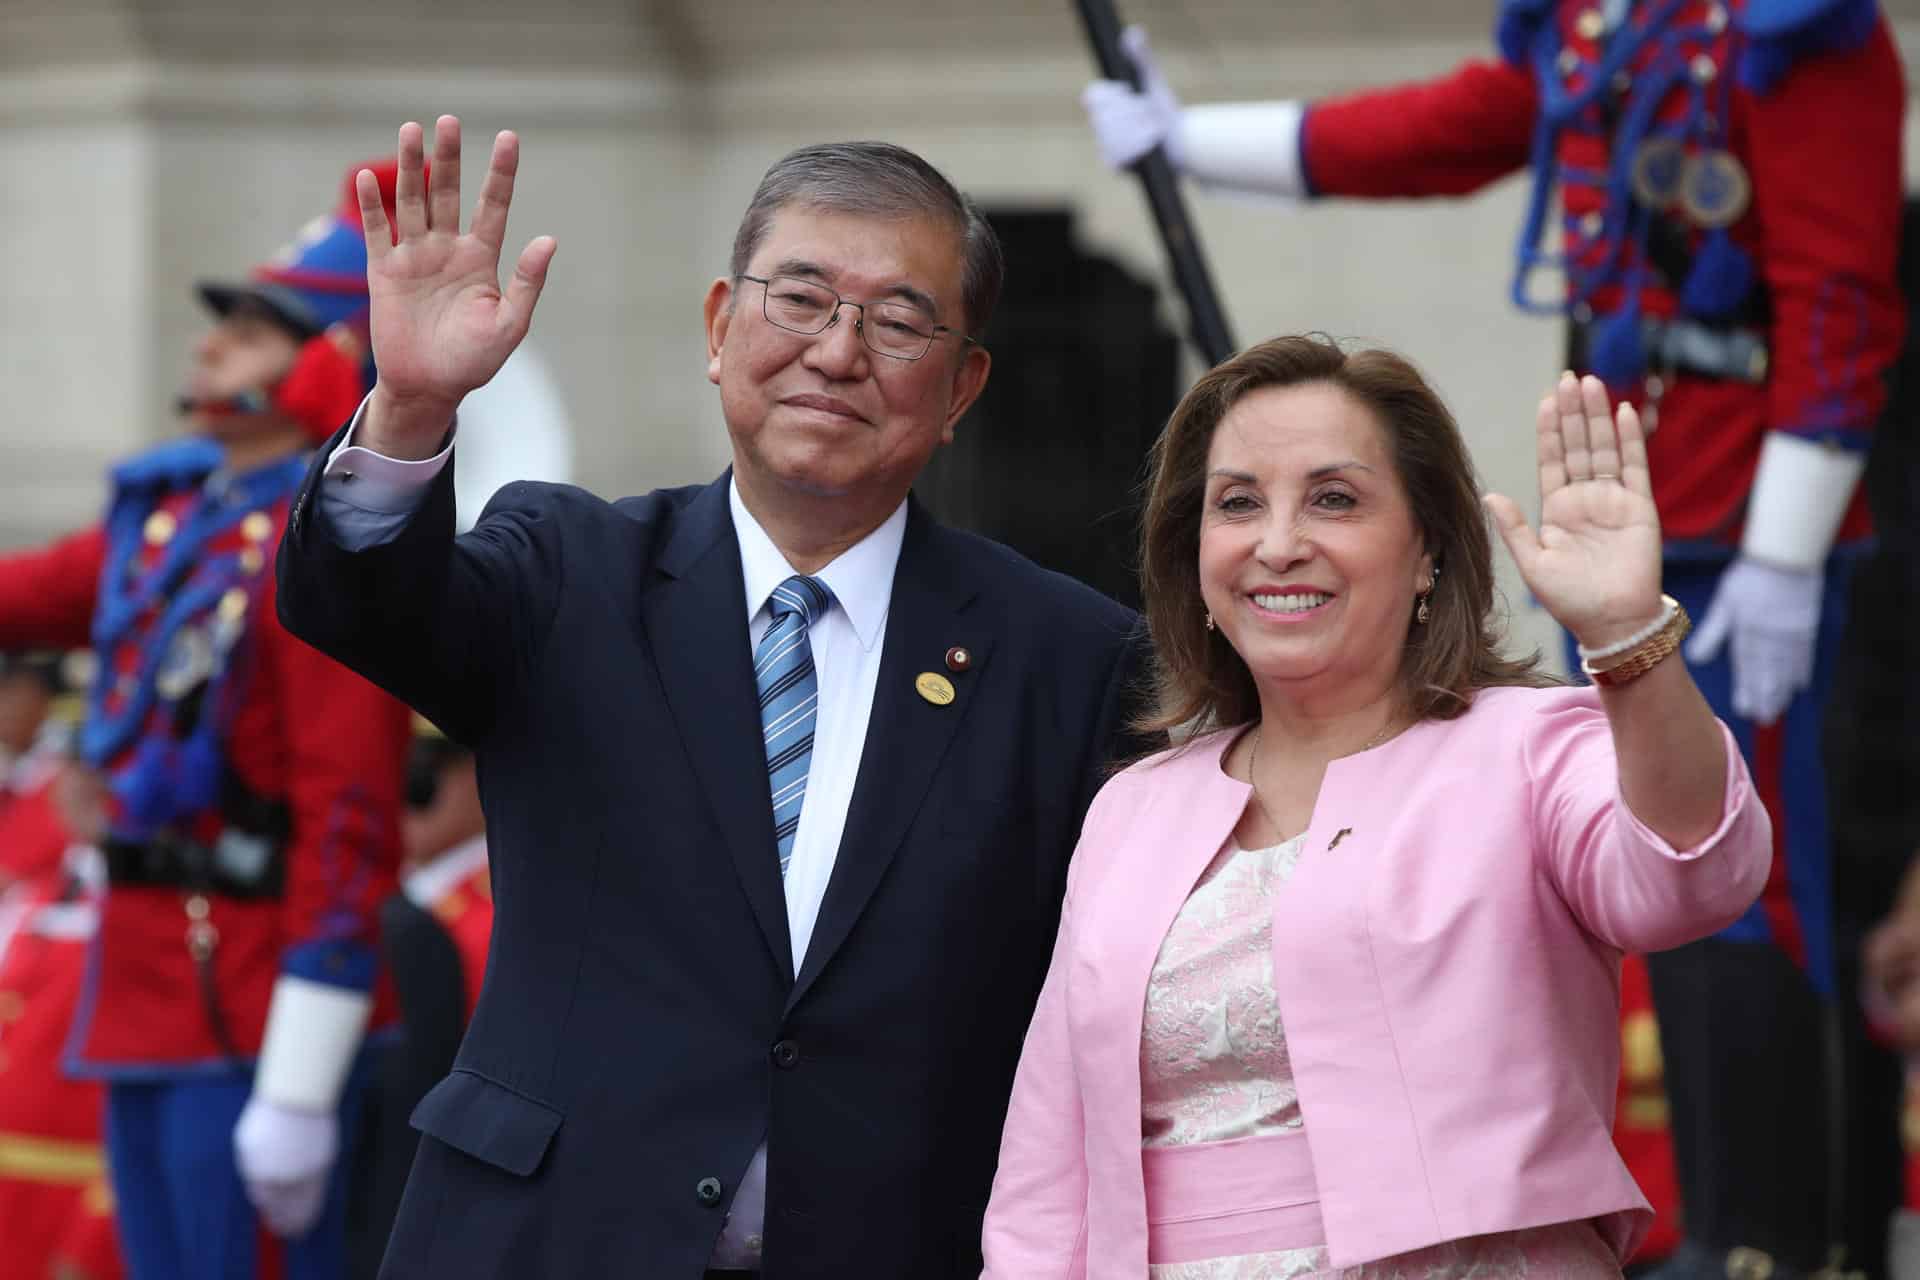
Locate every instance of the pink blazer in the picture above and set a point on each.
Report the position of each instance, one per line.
(1447, 962)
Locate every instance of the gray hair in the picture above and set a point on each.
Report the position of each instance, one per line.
(878, 180)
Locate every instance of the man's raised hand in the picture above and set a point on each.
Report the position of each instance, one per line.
(441, 324)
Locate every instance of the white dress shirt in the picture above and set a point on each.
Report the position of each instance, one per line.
(369, 497)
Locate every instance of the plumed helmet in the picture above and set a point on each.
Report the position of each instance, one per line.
(319, 280)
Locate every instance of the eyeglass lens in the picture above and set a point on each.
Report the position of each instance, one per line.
(890, 328)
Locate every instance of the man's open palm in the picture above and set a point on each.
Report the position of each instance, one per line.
(441, 325)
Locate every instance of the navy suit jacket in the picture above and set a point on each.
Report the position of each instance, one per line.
(641, 1029)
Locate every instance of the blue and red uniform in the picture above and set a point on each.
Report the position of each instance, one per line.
(1742, 182)
(204, 707)
(219, 733)
(53, 1166)
(1728, 175)
(254, 792)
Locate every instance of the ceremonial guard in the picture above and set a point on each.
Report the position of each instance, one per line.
(1727, 180)
(53, 1168)
(245, 792)
(52, 1164)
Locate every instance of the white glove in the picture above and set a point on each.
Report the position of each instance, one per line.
(288, 1136)
(1129, 122)
(286, 1156)
(1773, 617)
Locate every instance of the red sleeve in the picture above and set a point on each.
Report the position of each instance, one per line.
(345, 743)
(1824, 148)
(47, 595)
(1444, 137)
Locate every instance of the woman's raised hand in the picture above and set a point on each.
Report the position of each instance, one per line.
(441, 325)
(1595, 561)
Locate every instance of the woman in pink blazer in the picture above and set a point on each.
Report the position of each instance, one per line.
(1336, 984)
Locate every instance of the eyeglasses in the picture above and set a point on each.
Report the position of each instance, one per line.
(897, 330)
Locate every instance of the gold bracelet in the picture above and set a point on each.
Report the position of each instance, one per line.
(1646, 655)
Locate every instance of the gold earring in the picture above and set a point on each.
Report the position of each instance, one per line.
(1209, 620)
(1423, 612)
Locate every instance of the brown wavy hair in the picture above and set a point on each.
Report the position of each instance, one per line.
(1200, 682)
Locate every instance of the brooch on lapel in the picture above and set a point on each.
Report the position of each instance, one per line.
(935, 688)
(1338, 836)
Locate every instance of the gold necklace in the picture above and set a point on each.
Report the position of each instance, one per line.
(1253, 778)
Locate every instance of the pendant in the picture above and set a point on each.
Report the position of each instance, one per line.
(1714, 189)
(1656, 172)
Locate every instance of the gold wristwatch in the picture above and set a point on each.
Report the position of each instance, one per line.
(1621, 668)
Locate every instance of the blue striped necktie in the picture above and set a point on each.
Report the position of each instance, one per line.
(789, 696)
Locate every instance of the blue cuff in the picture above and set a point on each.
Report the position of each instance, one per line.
(1853, 438)
(333, 963)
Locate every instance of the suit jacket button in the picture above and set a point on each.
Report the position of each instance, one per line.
(707, 1190)
(786, 1055)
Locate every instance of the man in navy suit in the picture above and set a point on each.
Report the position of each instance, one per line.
(781, 776)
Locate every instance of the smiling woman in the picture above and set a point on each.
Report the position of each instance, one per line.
(1276, 468)
(1337, 979)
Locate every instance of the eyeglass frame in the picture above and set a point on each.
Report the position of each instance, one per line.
(833, 317)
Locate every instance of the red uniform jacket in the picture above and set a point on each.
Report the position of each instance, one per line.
(1822, 148)
(304, 730)
(52, 1166)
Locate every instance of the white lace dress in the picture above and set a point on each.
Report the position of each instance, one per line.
(1214, 1069)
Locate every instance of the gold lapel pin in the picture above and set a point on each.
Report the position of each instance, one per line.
(934, 687)
(1338, 836)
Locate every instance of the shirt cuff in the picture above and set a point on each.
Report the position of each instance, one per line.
(359, 477)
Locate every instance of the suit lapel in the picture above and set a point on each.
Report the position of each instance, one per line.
(695, 615)
(907, 735)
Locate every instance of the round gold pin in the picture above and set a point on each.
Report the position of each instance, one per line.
(934, 687)
(252, 561)
(160, 528)
(257, 527)
(958, 659)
